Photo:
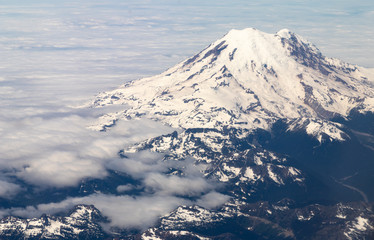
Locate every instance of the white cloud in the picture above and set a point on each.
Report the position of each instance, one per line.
(140, 164)
(135, 212)
(184, 186)
(212, 200)
(8, 189)
(60, 169)
(125, 188)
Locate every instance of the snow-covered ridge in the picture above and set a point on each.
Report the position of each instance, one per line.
(254, 216)
(250, 167)
(82, 222)
(248, 79)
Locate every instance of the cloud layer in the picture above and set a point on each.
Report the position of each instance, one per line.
(59, 152)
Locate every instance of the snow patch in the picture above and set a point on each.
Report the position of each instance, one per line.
(274, 176)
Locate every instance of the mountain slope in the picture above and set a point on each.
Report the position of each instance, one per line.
(250, 79)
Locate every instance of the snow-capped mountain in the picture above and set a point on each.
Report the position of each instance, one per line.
(250, 79)
(285, 133)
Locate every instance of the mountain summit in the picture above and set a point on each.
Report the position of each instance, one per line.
(250, 79)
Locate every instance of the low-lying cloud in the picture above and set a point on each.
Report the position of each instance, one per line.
(57, 150)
